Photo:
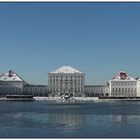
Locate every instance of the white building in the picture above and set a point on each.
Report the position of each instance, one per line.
(11, 83)
(96, 90)
(138, 87)
(123, 85)
(66, 81)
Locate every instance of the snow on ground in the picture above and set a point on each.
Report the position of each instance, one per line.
(76, 98)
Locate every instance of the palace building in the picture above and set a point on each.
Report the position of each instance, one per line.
(123, 85)
(138, 87)
(69, 81)
(66, 81)
(11, 83)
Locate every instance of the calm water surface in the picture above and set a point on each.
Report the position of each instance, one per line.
(99, 120)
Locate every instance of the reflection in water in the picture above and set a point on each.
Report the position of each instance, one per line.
(16, 116)
(12, 118)
(125, 119)
(37, 119)
(53, 120)
(69, 120)
(122, 119)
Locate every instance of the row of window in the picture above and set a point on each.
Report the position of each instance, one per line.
(35, 89)
(123, 89)
(93, 90)
(98, 94)
(124, 84)
(10, 84)
(66, 77)
(97, 89)
(64, 90)
(56, 80)
(119, 94)
(66, 84)
(10, 89)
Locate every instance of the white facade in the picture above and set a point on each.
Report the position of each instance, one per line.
(96, 90)
(11, 83)
(66, 80)
(123, 85)
(138, 87)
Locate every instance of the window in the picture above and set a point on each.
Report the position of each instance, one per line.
(113, 89)
(119, 89)
(125, 89)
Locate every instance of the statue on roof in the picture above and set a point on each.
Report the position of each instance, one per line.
(10, 73)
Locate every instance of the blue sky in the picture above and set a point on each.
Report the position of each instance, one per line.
(99, 39)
